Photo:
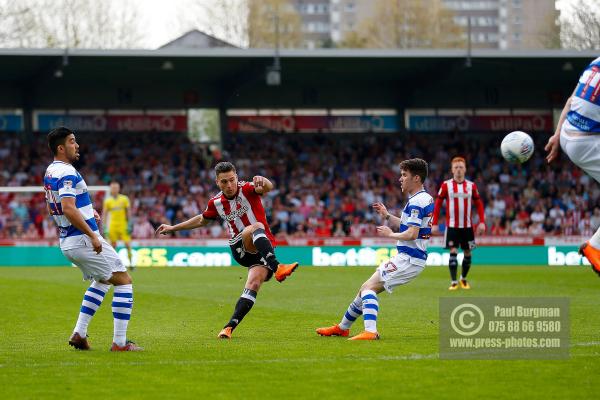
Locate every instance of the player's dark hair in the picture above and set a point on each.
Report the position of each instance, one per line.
(224, 166)
(416, 166)
(57, 137)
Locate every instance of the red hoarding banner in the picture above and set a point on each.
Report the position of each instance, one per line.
(312, 123)
(122, 123)
(147, 123)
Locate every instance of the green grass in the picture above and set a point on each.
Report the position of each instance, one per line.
(275, 352)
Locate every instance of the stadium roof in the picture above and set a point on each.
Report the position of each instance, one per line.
(196, 39)
(231, 77)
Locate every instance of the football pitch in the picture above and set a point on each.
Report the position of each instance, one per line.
(275, 352)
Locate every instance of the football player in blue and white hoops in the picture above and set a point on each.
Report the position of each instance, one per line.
(578, 135)
(70, 205)
(414, 231)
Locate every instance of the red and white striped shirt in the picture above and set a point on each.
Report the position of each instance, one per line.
(244, 209)
(460, 197)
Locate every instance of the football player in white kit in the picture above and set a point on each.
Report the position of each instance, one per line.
(578, 134)
(414, 231)
(70, 205)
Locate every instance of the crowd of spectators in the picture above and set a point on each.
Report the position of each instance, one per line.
(324, 184)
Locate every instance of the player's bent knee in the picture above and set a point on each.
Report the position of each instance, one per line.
(255, 226)
(366, 286)
(120, 278)
(249, 230)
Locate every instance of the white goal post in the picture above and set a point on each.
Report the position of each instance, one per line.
(24, 194)
(37, 189)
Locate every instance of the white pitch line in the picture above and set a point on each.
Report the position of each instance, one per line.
(406, 357)
(585, 344)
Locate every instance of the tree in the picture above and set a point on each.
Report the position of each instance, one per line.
(224, 19)
(549, 34)
(245, 23)
(407, 24)
(268, 19)
(19, 24)
(353, 40)
(580, 26)
(69, 23)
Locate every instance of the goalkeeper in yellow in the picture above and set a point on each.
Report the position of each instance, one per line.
(116, 218)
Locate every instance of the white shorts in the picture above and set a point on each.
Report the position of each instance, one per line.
(398, 271)
(98, 267)
(583, 150)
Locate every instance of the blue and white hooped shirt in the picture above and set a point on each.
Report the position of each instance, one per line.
(417, 212)
(62, 180)
(584, 115)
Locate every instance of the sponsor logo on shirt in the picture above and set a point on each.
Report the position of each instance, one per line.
(236, 213)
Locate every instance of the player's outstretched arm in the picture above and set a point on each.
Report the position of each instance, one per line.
(410, 234)
(553, 145)
(385, 214)
(262, 185)
(192, 223)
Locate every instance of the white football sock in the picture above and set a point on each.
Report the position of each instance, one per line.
(370, 310)
(121, 307)
(595, 240)
(92, 299)
(354, 311)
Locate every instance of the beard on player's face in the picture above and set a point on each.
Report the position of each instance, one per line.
(71, 153)
(71, 148)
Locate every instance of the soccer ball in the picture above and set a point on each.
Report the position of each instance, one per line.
(517, 147)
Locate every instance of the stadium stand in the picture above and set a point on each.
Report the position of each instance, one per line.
(324, 183)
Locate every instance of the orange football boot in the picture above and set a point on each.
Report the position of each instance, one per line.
(366, 335)
(285, 270)
(334, 330)
(225, 333)
(592, 254)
